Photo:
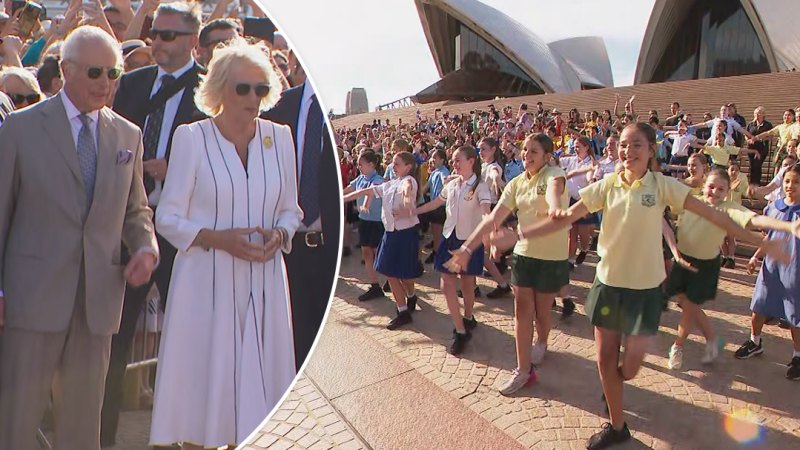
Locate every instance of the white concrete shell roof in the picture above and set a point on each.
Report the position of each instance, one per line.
(589, 57)
(553, 72)
(773, 21)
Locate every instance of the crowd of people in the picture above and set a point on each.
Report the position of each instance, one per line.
(518, 198)
(177, 145)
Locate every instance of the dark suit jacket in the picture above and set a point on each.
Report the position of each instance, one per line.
(287, 112)
(131, 102)
(133, 97)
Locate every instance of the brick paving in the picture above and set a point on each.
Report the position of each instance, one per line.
(692, 408)
(306, 420)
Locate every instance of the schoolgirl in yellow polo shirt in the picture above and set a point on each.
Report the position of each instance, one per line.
(539, 267)
(739, 185)
(699, 241)
(625, 300)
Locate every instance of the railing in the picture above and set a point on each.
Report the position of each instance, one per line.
(401, 103)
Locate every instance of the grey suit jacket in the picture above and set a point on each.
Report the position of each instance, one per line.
(43, 238)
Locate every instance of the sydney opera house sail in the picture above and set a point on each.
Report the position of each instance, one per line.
(695, 39)
(481, 53)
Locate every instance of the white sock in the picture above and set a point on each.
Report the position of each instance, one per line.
(756, 339)
(411, 295)
(461, 332)
(572, 261)
(402, 308)
(796, 354)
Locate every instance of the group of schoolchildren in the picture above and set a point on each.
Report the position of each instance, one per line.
(548, 214)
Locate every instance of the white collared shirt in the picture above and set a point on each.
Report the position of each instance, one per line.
(578, 182)
(392, 194)
(75, 124)
(170, 111)
(463, 206)
(681, 144)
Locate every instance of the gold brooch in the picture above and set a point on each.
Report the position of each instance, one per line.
(268, 142)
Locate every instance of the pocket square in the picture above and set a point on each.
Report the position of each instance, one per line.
(124, 157)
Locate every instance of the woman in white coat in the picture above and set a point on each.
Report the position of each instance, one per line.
(230, 207)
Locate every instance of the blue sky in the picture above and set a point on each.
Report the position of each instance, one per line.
(379, 44)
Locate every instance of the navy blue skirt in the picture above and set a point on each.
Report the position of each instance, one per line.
(398, 254)
(475, 265)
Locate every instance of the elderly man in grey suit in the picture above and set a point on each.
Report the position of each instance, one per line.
(70, 191)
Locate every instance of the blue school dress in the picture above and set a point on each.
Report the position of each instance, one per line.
(777, 292)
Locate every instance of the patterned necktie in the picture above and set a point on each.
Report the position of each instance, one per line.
(152, 131)
(87, 159)
(312, 153)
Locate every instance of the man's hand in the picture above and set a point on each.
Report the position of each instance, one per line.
(156, 168)
(139, 269)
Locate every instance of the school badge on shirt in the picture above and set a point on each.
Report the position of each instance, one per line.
(541, 189)
(268, 142)
(648, 200)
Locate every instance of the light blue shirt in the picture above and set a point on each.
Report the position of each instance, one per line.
(436, 181)
(362, 182)
(513, 168)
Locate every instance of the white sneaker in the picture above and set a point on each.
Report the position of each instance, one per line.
(517, 381)
(537, 353)
(675, 357)
(712, 350)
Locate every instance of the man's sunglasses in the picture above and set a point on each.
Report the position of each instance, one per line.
(96, 72)
(261, 89)
(169, 35)
(20, 99)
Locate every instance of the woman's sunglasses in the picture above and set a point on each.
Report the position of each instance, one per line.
(20, 99)
(112, 72)
(169, 35)
(261, 89)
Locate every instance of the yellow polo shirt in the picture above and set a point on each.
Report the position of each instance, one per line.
(721, 155)
(785, 132)
(630, 234)
(699, 238)
(527, 195)
(736, 193)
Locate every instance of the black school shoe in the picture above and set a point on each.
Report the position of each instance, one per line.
(402, 318)
(581, 258)
(411, 302)
(568, 308)
(499, 291)
(794, 369)
(608, 436)
(749, 349)
(470, 324)
(372, 293)
(386, 287)
(459, 342)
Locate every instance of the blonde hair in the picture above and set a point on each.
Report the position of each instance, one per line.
(212, 86)
(27, 78)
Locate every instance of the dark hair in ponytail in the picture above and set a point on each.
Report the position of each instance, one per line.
(469, 152)
(498, 155)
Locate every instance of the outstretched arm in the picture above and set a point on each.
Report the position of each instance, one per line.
(431, 205)
(769, 223)
(366, 192)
